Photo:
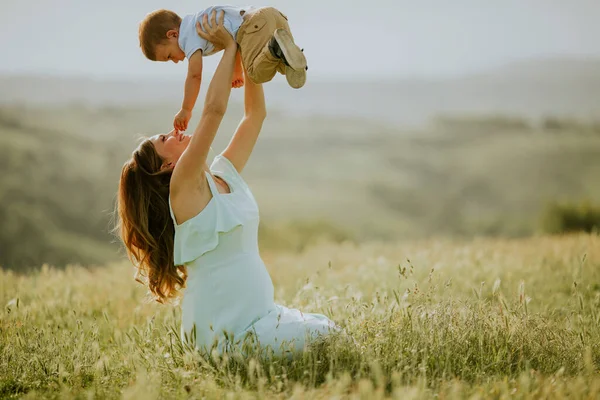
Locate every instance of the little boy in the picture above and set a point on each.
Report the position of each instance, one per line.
(266, 46)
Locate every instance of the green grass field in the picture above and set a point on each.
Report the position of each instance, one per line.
(487, 318)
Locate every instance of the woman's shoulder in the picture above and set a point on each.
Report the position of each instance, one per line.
(222, 164)
(222, 167)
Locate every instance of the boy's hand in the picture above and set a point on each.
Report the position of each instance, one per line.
(238, 73)
(181, 120)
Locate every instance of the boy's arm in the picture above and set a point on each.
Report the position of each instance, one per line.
(191, 90)
(192, 81)
(238, 72)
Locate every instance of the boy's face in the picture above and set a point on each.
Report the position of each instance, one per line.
(169, 49)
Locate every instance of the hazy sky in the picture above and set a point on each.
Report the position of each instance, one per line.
(340, 37)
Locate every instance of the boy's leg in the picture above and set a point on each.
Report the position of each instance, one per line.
(254, 37)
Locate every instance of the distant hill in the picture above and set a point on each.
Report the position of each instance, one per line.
(548, 69)
(313, 177)
(531, 88)
(352, 172)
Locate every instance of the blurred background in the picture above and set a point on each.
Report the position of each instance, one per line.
(419, 119)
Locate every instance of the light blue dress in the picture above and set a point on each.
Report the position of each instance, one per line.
(229, 292)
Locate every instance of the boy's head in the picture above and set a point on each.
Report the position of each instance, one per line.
(158, 34)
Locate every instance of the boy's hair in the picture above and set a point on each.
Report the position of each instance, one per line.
(153, 30)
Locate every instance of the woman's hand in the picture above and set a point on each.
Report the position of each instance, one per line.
(215, 32)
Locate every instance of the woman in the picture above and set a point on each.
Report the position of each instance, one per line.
(187, 225)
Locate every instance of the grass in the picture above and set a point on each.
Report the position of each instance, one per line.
(428, 319)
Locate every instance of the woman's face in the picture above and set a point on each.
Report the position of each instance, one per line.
(170, 146)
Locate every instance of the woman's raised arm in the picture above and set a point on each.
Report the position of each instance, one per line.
(190, 166)
(255, 111)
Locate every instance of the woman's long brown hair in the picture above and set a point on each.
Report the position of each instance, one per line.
(144, 222)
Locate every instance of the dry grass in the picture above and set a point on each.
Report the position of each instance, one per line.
(446, 319)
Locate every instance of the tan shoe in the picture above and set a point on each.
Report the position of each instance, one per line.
(282, 46)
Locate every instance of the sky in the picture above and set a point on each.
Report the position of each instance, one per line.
(341, 38)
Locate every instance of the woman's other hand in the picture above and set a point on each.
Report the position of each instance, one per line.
(214, 31)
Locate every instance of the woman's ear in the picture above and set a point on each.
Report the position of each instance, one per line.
(166, 166)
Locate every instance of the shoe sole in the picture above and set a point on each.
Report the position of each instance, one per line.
(296, 79)
(295, 72)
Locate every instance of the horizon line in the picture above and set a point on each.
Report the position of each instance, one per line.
(363, 77)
